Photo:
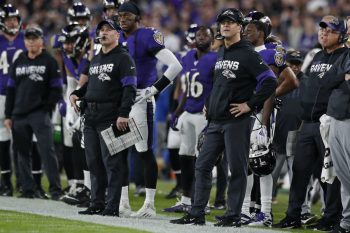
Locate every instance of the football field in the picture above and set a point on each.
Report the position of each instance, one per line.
(35, 215)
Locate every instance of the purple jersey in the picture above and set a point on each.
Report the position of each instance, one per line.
(272, 56)
(199, 78)
(143, 45)
(9, 51)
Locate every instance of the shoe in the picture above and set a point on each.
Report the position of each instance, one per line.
(174, 193)
(110, 212)
(66, 190)
(124, 209)
(179, 207)
(228, 222)
(140, 191)
(6, 191)
(207, 210)
(246, 219)
(92, 211)
(218, 206)
(189, 219)
(40, 193)
(56, 197)
(341, 230)
(76, 196)
(85, 204)
(308, 218)
(147, 211)
(262, 219)
(288, 223)
(322, 225)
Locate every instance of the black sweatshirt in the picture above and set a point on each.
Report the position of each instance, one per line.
(314, 99)
(240, 76)
(112, 80)
(34, 84)
(334, 82)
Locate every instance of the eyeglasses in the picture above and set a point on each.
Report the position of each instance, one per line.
(328, 31)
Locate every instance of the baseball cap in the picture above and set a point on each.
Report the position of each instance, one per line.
(231, 14)
(34, 31)
(332, 22)
(111, 23)
(294, 56)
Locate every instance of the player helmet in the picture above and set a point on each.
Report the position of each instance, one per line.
(262, 161)
(112, 4)
(259, 16)
(191, 33)
(78, 11)
(8, 11)
(78, 35)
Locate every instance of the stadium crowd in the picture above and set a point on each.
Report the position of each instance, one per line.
(246, 91)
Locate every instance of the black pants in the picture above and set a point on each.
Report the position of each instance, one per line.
(39, 123)
(308, 160)
(106, 171)
(234, 138)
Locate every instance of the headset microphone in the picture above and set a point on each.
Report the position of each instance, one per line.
(97, 39)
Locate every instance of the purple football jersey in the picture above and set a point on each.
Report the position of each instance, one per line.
(9, 51)
(143, 44)
(199, 78)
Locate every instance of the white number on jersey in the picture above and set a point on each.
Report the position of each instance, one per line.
(195, 88)
(4, 65)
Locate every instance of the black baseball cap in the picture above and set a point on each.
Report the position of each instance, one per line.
(110, 22)
(294, 56)
(34, 31)
(232, 14)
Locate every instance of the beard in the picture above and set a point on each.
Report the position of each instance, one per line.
(203, 47)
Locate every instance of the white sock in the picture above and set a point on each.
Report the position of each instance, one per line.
(71, 182)
(266, 184)
(150, 194)
(87, 180)
(186, 200)
(248, 191)
(124, 197)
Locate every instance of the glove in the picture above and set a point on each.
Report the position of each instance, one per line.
(144, 94)
(62, 107)
(173, 122)
(261, 136)
(278, 104)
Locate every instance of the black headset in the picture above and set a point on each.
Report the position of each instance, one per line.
(343, 37)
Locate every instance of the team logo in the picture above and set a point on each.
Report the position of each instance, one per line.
(104, 77)
(228, 74)
(158, 37)
(279, 59)
(280, 49)
(36, 77)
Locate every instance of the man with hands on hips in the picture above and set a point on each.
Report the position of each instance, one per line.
(109, 95)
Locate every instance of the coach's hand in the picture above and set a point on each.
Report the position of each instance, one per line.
(8, 124)
(239, 109)
(73, 100)
(122, 123)
(347, 77)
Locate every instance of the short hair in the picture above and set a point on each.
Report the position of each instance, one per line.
(202, 27)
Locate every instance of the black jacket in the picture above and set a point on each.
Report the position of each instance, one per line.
(111, 85)
(314, 98)
(334, 82)
(240, 76)
(34, 84)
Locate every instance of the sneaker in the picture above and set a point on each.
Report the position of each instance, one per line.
(147, 211)
(341, 230)
(228, 222)
(66, 190)
(174, 193)
(26, 195)
(246, 219)
(124, 209)
(6, 191)
(92, 211)
(77, 195)
(218, 206)
(288, 223)
(110, 212)
(189, 219)
(207, 210)
(56, 197)
(322, 225)
(85, 204)
(262, 219)
(140, 191)
(179, 207)
(308, 218)
(40, 193)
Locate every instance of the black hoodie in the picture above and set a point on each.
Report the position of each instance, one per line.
(240, 76)
(314, 99)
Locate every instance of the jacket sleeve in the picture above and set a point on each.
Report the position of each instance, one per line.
(128, 79)
(10, 92)
(55, 85)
